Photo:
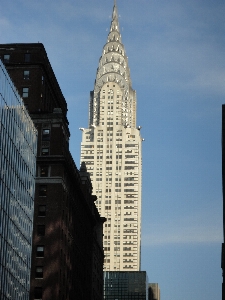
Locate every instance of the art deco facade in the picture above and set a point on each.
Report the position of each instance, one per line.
(18, 142)
(67, 252)
(111, 149)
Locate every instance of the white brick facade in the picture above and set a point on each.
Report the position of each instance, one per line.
(111, 149)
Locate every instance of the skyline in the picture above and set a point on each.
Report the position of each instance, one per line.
(179, 98)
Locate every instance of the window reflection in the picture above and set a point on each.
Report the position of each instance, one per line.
(45, 134)
(25, 92)
(26, 75)
(6, 58)
(17, 181)
(39, 272)
(40, 251)
(44, 171)
(45, 151)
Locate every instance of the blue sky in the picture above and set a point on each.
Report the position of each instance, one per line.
(176, 58)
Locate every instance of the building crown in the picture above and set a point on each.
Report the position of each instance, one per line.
(113, 64)
(113, 68)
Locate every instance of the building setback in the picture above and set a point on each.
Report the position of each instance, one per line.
(67, 252)
(111, 149)
(18, 145)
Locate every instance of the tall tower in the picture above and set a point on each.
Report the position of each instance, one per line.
(111, 149)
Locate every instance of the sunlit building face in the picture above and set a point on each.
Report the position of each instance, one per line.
(111, 149)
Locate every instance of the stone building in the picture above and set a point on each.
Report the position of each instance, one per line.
(67, 252)
(111, 149)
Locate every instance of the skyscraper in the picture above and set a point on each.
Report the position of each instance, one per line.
(18, 143)
(111, 149)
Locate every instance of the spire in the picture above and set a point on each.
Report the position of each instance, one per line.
(115, 22)
(113, 64)
(113, 67)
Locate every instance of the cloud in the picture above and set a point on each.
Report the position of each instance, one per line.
(182, 236)
(177, 47)
(4, 22)
(180, 47)
(193, 229)
(186, 66)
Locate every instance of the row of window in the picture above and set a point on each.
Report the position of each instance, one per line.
(25, 90)
(6, 57)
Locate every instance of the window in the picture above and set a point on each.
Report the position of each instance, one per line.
(41, 230)
(39, 272)
(6, 58)
(43, 190)
(40, 251)
(45, 134)
(42, 210)
(26, 75)
(38, 293)
(25, 92)
(27, 57)
(129, 168)
(44, 171)
(44, 151)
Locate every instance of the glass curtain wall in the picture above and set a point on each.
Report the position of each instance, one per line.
(125, 285)
(18, 143)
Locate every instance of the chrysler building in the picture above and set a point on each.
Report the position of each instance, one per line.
(111, 149)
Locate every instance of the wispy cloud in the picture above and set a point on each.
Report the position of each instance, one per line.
(181, 43)
(193, 229)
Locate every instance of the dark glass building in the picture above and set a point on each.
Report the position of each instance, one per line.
(124, 285)
(18, 141)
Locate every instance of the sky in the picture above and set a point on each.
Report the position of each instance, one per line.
(175, 50)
